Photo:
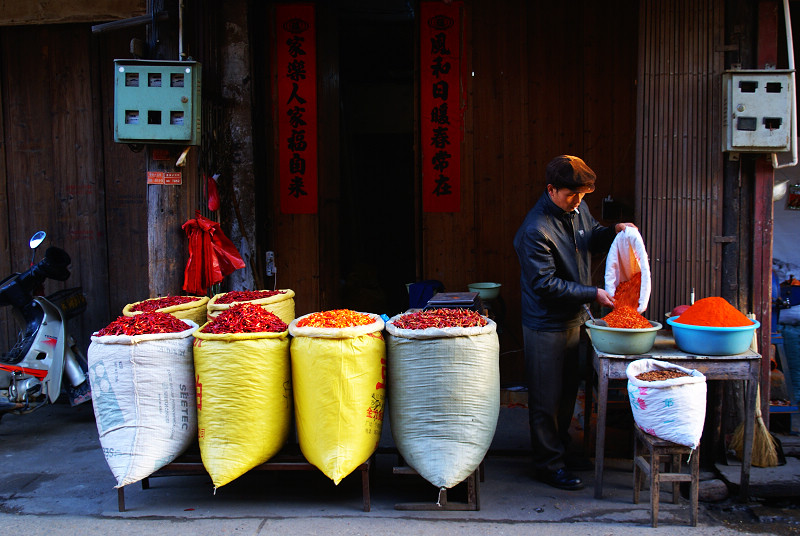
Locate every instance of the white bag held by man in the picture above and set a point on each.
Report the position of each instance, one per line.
(673, 409)
(626, 258)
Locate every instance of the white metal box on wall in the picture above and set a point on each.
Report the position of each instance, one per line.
(757, 110)
(157, 101)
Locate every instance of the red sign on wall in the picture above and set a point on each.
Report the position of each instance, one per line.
(297, 108)
(441, 114)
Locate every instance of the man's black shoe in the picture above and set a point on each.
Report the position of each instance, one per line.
(561, 479)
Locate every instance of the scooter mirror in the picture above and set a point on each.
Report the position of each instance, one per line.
(37, 239)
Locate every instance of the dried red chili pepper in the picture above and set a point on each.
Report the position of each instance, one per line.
(246, 295)
(336, 318)
(245, 318)
(147, 323)
(441, 318)
(162, 303)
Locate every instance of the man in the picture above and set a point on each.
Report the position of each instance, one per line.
(554, 246)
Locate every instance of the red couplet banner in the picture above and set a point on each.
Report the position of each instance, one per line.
(296, 47)
(441, 115)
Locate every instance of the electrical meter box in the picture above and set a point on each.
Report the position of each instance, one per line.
(757, 110)
(157, 101)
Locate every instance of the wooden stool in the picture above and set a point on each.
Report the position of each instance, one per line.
(648, 454)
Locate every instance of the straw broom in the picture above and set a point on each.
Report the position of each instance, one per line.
(765, 447)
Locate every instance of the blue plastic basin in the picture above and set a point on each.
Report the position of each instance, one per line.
(708, 340)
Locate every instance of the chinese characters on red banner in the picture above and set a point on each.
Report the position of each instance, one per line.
(441, 112)
(297, 108)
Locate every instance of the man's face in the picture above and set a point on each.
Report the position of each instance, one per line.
(564, 198)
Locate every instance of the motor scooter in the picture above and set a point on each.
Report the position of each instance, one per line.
(45, 361)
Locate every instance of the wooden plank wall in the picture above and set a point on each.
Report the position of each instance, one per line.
(62, 171)
(53, 172)
(549, 78)
(679, 166)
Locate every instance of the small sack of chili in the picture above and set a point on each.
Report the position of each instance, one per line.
(339, 376)
(627, 275)
(143, 392)
(244, 399)
(667, 400)
(279, 302)
(444, 391)
(189, 307)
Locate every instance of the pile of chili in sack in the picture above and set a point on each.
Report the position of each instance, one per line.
(241, 360)
(339, 377)
(143, 392)
(444, 392)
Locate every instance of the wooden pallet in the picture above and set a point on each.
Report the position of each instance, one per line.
(191, 464)
(472, 482)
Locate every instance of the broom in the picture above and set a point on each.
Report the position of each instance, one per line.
(765, 447)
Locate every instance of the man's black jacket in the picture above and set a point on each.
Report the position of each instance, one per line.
(554, 249)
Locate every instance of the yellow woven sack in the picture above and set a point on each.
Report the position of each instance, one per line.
(193, 310)
(244, 400)
(339, 391)
(281, 305)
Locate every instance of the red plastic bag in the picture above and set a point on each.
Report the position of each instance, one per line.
(212, 194)
(212, 255)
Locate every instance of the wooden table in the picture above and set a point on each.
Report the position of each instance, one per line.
(745, 366)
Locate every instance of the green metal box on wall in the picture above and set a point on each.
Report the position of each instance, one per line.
(157, 101)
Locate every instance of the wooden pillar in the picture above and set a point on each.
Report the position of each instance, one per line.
(168, 207)
(767, 54)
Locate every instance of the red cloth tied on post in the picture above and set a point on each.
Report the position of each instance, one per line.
(212, 255)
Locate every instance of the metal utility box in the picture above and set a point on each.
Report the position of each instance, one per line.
(757, 110)
(157, 101)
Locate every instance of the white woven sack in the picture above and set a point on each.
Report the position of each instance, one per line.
(673, 409)
(444, 398)
(143, 393)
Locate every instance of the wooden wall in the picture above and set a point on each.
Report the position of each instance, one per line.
(61, 171)
(549, 78)
(679, 159)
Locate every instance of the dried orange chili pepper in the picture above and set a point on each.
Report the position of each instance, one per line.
(336, 318)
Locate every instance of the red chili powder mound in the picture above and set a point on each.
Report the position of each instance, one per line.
(713, 312)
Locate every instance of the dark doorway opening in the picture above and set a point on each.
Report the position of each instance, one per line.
(377, 216)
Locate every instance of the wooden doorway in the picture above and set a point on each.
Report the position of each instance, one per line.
(377, 215)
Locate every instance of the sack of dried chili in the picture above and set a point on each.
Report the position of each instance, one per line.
(189, 307)
(444, 396)
(338, 376)
(279, 302)
(244, 390)
(137, 372)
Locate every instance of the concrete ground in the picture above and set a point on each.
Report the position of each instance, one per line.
(55, 478)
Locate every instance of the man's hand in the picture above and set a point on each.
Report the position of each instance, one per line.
(621, 226)
(604, 298)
